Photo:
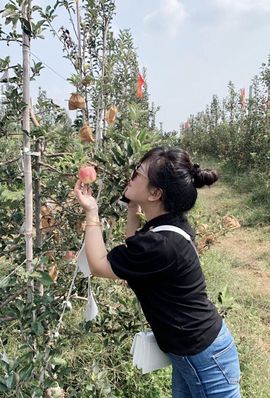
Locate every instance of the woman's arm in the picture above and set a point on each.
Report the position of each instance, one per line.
(95, 249)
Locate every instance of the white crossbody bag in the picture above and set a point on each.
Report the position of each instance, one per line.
(147, 355)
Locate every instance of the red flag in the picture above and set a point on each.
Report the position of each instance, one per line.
(140, 84)
(243, 98)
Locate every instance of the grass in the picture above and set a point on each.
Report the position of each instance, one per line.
(254, 187)
(245, 319)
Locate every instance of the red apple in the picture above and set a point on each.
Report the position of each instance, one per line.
(87, 174)
(70, 255)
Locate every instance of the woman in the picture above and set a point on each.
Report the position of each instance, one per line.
(163, 270)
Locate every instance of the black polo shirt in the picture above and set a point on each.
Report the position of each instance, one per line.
(164, 272)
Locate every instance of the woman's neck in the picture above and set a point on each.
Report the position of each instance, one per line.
(151, 212)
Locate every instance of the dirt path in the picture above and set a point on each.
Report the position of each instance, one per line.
(248, 247)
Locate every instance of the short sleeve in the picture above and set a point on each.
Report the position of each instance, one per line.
(145, 255)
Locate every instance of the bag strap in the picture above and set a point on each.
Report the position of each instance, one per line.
(172, 228)
(178, 230)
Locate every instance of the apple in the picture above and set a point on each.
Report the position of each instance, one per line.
(70, 255)
(87, 174)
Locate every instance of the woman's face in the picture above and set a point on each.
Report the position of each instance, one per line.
(138, 186)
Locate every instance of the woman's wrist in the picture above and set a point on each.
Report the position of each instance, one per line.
(93, 223)
(92, 219)
(133, 208)
(92, 214)
(133, 205)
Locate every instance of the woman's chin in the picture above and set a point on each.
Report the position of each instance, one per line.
(126, 193)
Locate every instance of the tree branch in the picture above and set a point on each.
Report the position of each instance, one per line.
(12, 297)
(70, 174)
(10, 161)
(33, 116)
(15, 40)
(64, 44)
(8, 318)
(55, 155)
(7, 67)
(57, 171)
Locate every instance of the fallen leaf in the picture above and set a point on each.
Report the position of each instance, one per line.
(231, 222)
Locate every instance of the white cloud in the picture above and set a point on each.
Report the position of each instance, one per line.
(244, 5)
(167, 18)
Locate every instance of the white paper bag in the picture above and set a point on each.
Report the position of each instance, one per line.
(137, 350)
(147, 355)
(91, 309)
(82, 262)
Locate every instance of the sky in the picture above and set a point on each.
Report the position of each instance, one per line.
(191, 49)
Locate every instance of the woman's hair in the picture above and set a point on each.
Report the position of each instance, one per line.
(173, 171)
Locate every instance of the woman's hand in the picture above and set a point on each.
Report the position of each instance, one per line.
(85, 198)
(133, 207)
(133, 219)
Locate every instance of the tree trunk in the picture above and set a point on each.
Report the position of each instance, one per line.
(101, 105)
(80, 58)
(37, 196)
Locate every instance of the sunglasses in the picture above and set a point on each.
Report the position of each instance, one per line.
(137, 171)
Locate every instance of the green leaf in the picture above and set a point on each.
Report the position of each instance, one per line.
(3, 388)
(11, 381)
(36, 8)
(26, 372)
(39, 392)
(43, 277)
(37, 328)
(129, 150)
(58, 361)
(4, 282)
(4, 358)
(11, 7)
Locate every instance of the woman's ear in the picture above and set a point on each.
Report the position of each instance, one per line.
(155, 194)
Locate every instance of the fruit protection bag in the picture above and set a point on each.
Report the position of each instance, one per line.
(82, 262)
(147, 355)
(91, 310)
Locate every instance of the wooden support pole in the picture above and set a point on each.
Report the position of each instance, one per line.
(26, 13)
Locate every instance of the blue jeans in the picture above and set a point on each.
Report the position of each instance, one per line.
(214, 372)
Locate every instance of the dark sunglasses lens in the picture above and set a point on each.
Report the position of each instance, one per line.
(134, 174)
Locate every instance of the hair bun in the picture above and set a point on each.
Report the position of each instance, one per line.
(195, 169)
(203, 177)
